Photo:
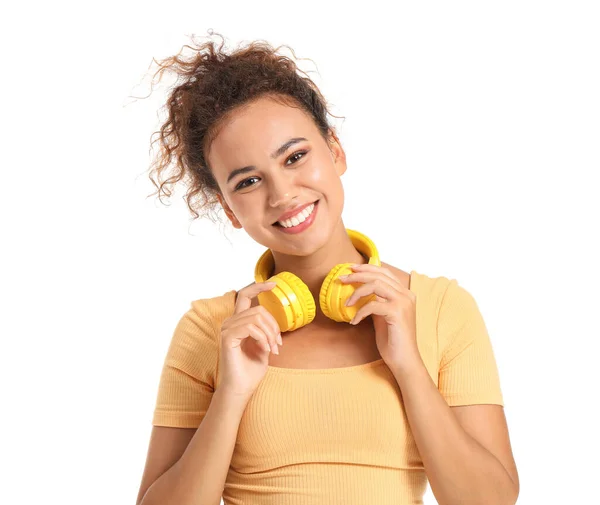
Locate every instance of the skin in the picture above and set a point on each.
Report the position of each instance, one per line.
(480, 437)
(248, 137)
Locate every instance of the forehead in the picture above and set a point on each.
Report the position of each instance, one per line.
(257, 129)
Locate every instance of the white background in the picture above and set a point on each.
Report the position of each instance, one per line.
(472, 135)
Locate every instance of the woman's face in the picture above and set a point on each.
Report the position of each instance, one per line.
(302, 172)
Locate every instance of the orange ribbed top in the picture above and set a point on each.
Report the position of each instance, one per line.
(336, 435)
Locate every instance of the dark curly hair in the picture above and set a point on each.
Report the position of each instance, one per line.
(210, 84)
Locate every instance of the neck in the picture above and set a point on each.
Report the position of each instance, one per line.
(313, 269)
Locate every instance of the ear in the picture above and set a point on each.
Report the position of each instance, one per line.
(338, 153)
(229, 212)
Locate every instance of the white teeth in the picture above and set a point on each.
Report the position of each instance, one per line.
(298, 218)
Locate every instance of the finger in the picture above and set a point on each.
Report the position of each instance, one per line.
(260, 336)
(379, 287)
(245, 295)
(395, 282)
(365, 267)
(267, 317)
(251, 330)
(368, 309)
(364, 277)
(260, 319)
(258, 314)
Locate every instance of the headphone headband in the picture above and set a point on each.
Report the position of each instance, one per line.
(361, 242)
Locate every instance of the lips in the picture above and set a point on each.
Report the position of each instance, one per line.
(288, 215)
(302, 226)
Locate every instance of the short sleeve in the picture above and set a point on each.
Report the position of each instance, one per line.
(468, 373)
(187, 380)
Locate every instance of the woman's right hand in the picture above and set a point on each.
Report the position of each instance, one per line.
(246, 338)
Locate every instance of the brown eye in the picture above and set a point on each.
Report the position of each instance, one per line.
(241, 185)
(294, 156)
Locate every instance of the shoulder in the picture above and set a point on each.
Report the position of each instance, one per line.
(451, 309)
(213, 308)
(431, 289)
(195, 343)
(441, 295)
(200, 325)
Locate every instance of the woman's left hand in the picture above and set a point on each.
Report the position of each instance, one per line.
(393, 312)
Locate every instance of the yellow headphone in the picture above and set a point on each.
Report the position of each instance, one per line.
(291, 302)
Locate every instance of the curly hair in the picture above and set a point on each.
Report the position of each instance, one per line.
(210, 85)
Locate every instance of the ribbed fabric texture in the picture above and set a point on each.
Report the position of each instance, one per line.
(337, 435)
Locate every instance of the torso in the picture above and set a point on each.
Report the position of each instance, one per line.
(331, 344)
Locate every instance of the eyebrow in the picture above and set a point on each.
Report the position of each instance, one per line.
(278, 152)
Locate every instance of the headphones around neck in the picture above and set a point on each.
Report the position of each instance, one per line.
(291, 302)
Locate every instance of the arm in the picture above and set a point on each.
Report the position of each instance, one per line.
(198, 477)
(460, 470)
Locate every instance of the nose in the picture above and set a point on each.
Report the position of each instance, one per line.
(281, 193)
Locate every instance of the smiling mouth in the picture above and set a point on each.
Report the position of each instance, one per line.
(276, 223)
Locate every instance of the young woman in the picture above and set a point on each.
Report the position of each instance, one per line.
(335, 377)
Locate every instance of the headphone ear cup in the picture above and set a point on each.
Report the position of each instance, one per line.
(290, 302)
(334, 294)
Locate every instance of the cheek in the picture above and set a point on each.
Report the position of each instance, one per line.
(327, 179)
(335, 193)
(321, 172)
(243, 212)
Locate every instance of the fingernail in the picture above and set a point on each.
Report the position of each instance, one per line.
(275, 349)
(279, 339)
(343, 277)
